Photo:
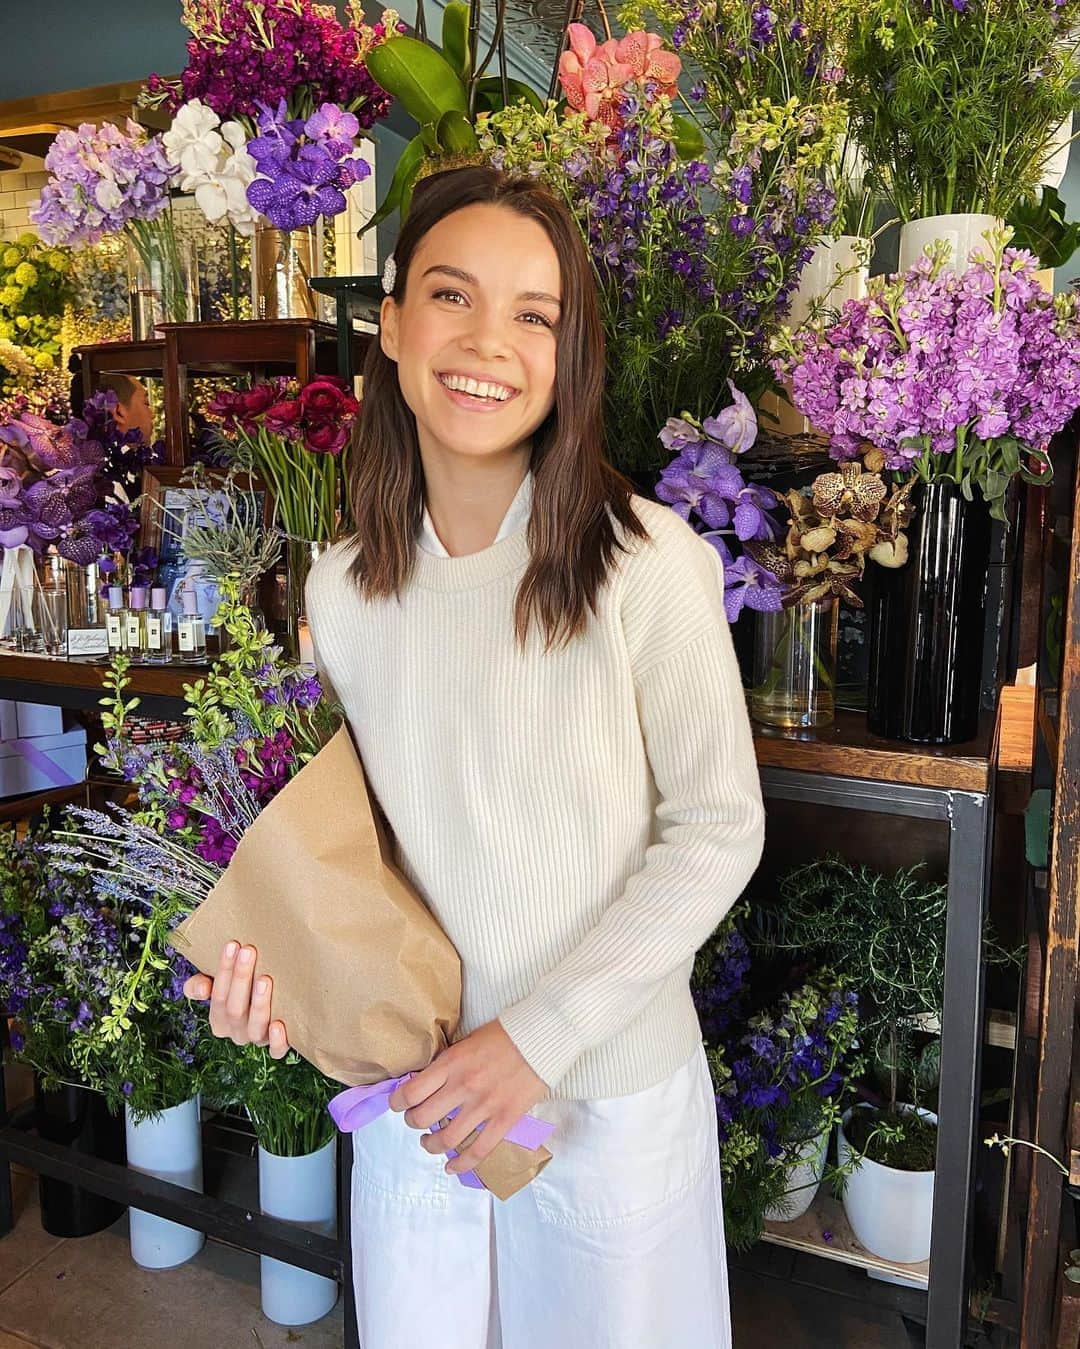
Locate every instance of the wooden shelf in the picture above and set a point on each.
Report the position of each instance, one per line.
(823, 1230)
(848, 749)
(78, 683)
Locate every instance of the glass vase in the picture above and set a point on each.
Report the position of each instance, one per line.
(795, 666)
(162, 275)
(282, 265)
(301, 555)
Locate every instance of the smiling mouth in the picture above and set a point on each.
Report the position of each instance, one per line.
(485, 392)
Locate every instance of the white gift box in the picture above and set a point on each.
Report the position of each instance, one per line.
(40, 763)
(37, 719)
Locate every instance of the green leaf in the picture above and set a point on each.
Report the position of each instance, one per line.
(408, 166)
(429, 134)
(689, 142)
(455, 37)
(419, 77)
(1042, 228)
(455, 134)
(489, 94)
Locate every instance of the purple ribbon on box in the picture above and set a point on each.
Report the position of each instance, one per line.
(38, 759)
(359, 1106)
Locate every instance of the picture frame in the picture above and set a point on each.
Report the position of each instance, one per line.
(164, 485)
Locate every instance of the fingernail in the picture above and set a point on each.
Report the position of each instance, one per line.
(245, 956)
(230, 950)
(261, 985)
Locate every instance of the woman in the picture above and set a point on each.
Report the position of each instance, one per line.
(539, 677)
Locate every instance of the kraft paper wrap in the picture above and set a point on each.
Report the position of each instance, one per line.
(366, 982)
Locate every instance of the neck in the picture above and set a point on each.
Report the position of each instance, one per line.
(468, 497)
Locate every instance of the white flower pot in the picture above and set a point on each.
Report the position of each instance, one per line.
(963, 232)
(837, 272)
(1058, 151)
(805, 1167)
(301, 1190)
(890, 1211)
(168, 1146)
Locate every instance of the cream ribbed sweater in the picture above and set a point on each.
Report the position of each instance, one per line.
(578, 822)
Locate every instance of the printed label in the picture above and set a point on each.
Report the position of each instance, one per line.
(186, 633)
(115, 630)
(153, 634)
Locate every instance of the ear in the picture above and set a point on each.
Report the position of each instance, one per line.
(388, 328)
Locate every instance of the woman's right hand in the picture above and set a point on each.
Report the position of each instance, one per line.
(239, 1012)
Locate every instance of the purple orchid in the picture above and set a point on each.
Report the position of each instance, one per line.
(748, 585)
(305, 167)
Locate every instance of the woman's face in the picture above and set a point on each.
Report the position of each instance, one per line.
(475, 336)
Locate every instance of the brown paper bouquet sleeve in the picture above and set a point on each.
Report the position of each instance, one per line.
(366, 983)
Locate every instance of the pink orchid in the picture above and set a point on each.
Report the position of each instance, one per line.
(643, 53)
(593, 77)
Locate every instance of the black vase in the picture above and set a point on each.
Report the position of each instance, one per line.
(927, 620)
(77, 1118)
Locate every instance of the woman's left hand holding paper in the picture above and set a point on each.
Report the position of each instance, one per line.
(486, 1079)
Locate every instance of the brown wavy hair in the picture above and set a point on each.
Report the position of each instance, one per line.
(577, 495)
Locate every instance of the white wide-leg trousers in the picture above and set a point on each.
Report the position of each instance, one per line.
(618, 1244)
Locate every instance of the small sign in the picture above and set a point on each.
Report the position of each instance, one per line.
(88, 642)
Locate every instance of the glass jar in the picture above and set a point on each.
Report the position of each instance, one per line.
(794, 681)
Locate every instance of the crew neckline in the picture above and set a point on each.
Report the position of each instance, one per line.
(509, 554)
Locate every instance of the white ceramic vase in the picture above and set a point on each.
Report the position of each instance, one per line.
(837, 271)
(301, 1190)
(168, 1146)
(963, 232)
(1058, 151)
(890, 1211)
(805, 1168)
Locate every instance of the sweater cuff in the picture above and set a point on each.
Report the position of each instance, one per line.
(547, 1042)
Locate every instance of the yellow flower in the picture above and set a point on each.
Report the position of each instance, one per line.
(26, 274)
(10, 296)
(11, 256)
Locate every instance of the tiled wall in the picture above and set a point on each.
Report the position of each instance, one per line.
(19, 190)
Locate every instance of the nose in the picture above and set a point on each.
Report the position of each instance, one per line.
(486, 335)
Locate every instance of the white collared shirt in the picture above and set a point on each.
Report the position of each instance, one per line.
(514, 519)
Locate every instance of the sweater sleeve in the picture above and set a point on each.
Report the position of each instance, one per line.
(711, 822)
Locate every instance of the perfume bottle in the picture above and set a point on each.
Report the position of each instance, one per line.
(159, 635)
(135, 625)
(191, 630)
(116, 621)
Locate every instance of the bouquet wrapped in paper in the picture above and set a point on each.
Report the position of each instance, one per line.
(262, 829)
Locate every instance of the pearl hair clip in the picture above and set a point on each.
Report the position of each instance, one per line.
(389, 275)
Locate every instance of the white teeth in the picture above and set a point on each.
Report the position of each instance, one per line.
(462, 384)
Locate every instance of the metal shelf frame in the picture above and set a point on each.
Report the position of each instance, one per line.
(969, 817)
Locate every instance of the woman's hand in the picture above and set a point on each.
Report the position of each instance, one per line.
(486, 1076)
(239, 1012)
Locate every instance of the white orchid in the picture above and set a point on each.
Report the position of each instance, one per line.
(214, 164)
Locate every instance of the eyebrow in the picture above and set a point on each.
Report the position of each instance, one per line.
(541, 296)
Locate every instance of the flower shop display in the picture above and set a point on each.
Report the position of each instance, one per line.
(49, 923)
(107, 181)
(292, 439)
(956, 386)
(35, 286)
(958, 107)
(781, 1076)
(287, 1101)
(267, 120)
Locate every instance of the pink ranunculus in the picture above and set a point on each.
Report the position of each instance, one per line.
(327, 438)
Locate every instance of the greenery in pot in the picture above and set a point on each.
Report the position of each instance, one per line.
(782, 1075)
(65, 953)
(956, 103)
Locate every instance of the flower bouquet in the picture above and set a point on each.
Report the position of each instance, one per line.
(107, 181)
(35, 285)
(260, 827)
(781, 1077)
(696, 254)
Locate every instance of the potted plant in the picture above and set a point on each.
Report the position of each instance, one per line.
(286, 1101)
(52, 933)
(885, 935)
(955, 385)
(958, 108)
(781, 1076)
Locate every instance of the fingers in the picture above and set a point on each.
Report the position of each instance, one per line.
(238, 1001)
(258, 1021)
(455, 1133)
(279, 1042)
(485, 1143)
(199, 987)
(436, 1107)
(419, 1088)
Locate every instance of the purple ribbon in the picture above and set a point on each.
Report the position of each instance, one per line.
(38, 759)
(357, 1107)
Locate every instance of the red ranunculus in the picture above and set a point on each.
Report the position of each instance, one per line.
(322, 397)
(254, 402)
(282, 417)
(326, 438)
